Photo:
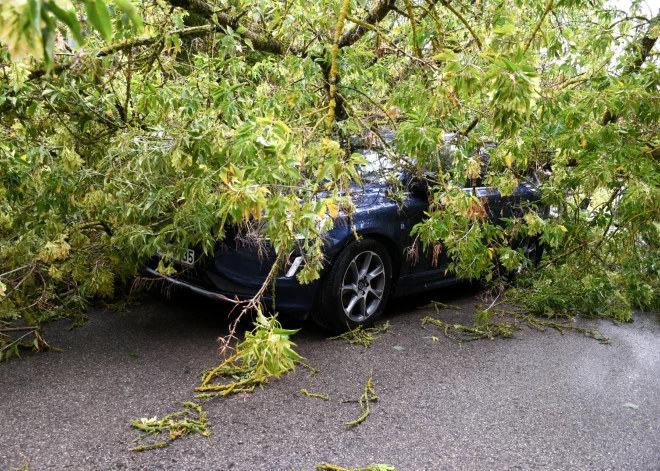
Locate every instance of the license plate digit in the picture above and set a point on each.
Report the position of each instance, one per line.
(188, 257)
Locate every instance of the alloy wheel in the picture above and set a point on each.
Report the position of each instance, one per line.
(362, 286)
(529, 247)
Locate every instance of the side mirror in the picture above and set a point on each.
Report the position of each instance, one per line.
(416, 184)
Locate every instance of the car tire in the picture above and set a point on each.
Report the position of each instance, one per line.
(532, 249)
(356, 288)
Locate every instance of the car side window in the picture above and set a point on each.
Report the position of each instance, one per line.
(484, 161)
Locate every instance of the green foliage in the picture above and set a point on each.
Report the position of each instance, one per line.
(31, 27)
(367, 396)
(191, 419)
(266, 352)
(539, 324)
(268, 348)
(607, 267)
(309, 394)
(483, 328)
(371, 467)
(212, 124)
(363, 336)
(437, 305)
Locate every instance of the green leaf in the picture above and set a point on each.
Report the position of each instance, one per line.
(33, 11)
(68, 18)
(631, 405)
(48, 38)
(99, 17)
(127, 7)
(288, 332)
(509, 65)
(283, 127)
(504, 29)
(446, 55)
(359, 159)
(398, 348)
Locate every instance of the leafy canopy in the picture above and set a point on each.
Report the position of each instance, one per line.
(127, 128)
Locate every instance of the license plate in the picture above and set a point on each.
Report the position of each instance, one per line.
(188, 258)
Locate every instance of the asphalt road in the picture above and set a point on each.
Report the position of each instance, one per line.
(538, 401)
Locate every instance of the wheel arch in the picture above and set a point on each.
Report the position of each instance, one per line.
(388, 243)
(327, 300)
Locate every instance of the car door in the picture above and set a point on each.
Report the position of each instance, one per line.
(419, 266)
(425, 266)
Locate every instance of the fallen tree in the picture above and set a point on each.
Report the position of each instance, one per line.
(118, 139)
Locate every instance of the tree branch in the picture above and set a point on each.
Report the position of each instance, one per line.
(463, 20)
(373, 17)
(261, 40)
(471, 126)
(645, 46)
(548, 9)
(392, 43)
(127, 44)
(411, 16)
(334, 73)
(18, 329)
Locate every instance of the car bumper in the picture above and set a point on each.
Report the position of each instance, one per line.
(290, 296)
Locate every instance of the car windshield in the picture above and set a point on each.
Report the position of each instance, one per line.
(381, 164)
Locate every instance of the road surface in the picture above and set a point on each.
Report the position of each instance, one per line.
(541, 400)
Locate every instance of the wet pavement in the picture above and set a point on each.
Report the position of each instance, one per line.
(541, 400)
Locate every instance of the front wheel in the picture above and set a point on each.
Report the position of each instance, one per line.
(355, 290)
(532, 250)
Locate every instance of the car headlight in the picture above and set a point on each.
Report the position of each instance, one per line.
(321, 224)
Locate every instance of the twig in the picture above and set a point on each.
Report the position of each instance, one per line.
(309, 394)
(14, 270)
(463, 20)
(334, 73)
(368, 395)
(548, 9)
(361, 336)
(411, 17)
(18, 340)
(438, 305)
(19, 283)
(17, 329)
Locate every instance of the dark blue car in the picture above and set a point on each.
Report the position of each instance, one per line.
(360, 275)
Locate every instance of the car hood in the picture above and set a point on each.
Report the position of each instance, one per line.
(363, 196)
(368, 195)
